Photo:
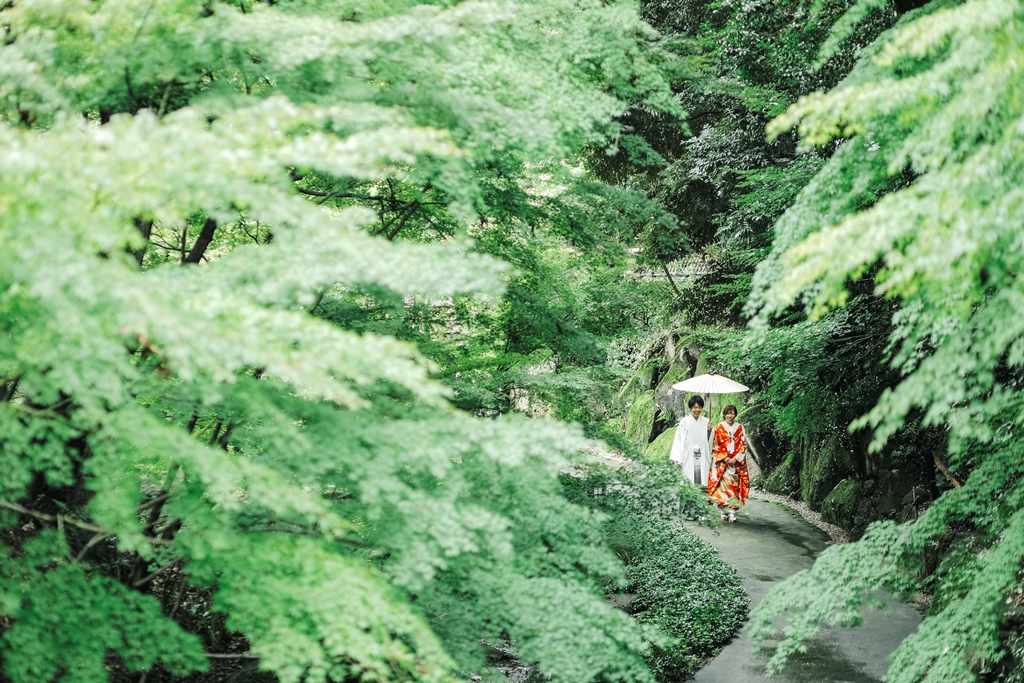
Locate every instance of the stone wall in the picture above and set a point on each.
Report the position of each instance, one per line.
(836, 476)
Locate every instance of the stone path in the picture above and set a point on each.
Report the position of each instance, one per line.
(767, 544)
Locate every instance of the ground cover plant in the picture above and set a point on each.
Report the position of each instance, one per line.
(676, 582)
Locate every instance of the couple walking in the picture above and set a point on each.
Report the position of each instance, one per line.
(714, 458)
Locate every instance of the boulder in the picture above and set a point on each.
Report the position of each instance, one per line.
(639, 382)
(673, 403)
(840, 506)
(616, 424)
(824, 465)
(892, 489)
(661, 447)
(784, 479)
(640, 419)
(919, 495)
(662, 421)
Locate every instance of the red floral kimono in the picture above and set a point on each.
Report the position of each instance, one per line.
(728, 486)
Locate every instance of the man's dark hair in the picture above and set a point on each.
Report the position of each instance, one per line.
(695, 401)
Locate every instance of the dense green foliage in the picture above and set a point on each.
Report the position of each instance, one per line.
(738, 65)
(253, 260)
(266, 265)
(668, 568)
(890, 221)
(919, 208)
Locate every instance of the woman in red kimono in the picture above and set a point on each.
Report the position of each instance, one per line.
(728, 481)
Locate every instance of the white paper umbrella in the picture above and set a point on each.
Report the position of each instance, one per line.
(711, 383)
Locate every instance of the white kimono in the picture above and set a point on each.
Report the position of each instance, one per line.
(692, 434)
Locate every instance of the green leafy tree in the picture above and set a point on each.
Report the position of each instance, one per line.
(209, 392)
(735, 67)
(921, 199)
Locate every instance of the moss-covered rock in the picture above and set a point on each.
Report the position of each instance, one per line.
(673, 403)
(892, 488)
(823, 466)
(661, 447)
(662, 421)
(616, 424)
(784, 479)
(640, 418)
(640, 381)
(676, 373)
(840, 506)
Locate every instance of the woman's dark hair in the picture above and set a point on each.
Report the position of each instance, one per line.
(728, 408)
(695, 401)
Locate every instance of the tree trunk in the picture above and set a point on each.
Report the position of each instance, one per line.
(145, 228)
(202, 242)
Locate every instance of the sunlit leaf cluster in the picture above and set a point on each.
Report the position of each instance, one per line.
(219, 225)
(922, 199)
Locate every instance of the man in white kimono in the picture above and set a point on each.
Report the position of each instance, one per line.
(690, 448)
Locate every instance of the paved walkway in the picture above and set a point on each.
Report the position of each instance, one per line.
(767, 544)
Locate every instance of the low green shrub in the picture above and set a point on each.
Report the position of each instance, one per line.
(679, 583)
(683, 587)
(612, 438)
